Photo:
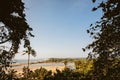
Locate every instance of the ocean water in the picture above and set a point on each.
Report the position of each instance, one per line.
(24, 62)
(31, 60)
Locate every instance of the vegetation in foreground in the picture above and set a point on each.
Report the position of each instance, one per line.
(83, 71)
(106, 45)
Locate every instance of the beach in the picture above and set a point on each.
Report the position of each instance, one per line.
(47, 66)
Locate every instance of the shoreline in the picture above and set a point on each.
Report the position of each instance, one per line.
(32, 63)
(36, 65)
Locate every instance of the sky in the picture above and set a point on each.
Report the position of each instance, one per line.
(60, 27)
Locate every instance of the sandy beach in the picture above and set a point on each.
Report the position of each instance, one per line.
(48, 66)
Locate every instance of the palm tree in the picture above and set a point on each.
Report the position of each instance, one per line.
(29, 51)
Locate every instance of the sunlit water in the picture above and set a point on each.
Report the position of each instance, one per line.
(70, 65)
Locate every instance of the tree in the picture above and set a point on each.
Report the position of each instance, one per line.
(30, 51)
(33, 53)
(13, 26)
(67, 74)
(106, 35)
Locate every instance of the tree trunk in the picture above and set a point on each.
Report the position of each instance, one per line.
(28, 65)
(28, 60)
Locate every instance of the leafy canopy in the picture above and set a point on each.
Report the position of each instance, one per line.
(106, 35)
(13, 26)
(106, 32)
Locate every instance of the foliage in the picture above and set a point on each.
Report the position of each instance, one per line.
(3, 74)
(11, 75)
(113, 71)
(82, 73)
(40, 74)
(67, 74)
(29, 51)
(13, 27)
(13, 20)
(83, 66)
(26, 75)
(8, 75)
(4, 58)
(106, 44)
(63, 59)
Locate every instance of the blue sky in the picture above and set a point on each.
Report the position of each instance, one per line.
(60, 26)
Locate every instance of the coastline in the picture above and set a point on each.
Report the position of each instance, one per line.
(36, 65)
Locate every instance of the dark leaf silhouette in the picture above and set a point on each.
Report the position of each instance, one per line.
(13, 28)
(94, 9)
(106, 44)
(88, 31)
(83, 49)
(93, 1)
